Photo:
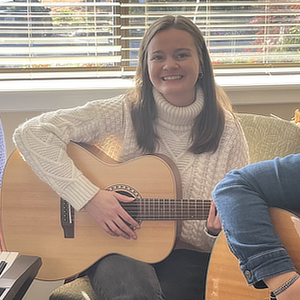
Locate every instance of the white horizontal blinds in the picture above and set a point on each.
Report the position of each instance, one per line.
(104, 35)
(236, 32)
(59, 33)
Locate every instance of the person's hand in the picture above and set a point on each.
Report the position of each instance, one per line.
(213, 223)
(105, 208)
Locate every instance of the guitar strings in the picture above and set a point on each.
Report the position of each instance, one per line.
(168, 209)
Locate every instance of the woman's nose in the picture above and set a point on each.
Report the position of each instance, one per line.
(170, 63)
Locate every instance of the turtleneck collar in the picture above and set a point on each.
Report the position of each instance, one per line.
(178, 115)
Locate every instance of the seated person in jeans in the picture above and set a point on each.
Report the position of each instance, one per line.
(242, 200)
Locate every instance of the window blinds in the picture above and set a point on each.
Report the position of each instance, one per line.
(103, 36)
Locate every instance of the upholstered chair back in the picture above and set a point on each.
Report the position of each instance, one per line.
(269, 137)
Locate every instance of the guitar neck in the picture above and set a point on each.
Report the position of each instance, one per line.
(168, 209)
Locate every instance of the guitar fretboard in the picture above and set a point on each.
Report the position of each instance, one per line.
(168, 209)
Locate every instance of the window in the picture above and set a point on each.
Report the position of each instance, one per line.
(102, 37)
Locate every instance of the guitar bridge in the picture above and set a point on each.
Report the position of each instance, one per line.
(67, 218)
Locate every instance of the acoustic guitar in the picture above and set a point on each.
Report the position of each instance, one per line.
(36, 221)
(225, 280)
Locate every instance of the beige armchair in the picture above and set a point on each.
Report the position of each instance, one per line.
(78, 289)
(267, 138)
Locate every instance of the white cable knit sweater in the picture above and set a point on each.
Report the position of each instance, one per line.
(42, 141)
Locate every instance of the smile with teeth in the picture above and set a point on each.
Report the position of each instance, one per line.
(177, 77)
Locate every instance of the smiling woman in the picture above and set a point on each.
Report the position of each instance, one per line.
(171, 111)
(174, 66)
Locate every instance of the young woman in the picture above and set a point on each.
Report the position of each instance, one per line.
(248, 227)
(175, 109)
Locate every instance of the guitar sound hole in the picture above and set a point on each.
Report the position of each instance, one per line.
(125, 193)
(131, 208)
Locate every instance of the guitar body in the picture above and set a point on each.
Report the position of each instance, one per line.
(31, 214)
(225, 280)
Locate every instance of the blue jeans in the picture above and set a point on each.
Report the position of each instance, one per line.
(181, 276)
(243, 199)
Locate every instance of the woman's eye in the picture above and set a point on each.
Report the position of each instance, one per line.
(182, 55)
(157, 57)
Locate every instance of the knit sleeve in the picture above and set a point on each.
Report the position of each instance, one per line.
(2, 153)
(43, 140)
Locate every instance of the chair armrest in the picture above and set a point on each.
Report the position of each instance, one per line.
(78, 289)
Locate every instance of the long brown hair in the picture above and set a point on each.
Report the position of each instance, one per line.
(209, 124)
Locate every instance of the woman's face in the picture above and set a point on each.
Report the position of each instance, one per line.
(174, 66)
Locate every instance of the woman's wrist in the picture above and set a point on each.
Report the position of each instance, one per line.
(281, 283)
(291, 293)
(211, 232)
(286, 285)
(275, 282)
